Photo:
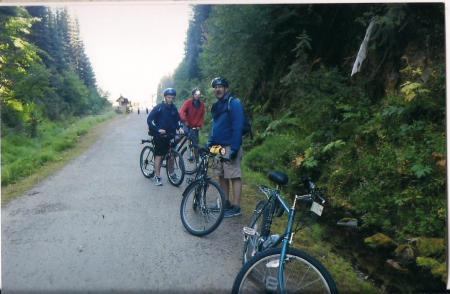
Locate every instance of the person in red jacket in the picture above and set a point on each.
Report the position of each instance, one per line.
(192, 114)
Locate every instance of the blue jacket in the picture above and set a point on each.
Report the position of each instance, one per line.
(227, 125)
(163, 116)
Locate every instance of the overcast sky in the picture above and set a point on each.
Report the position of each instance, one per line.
(132, 46)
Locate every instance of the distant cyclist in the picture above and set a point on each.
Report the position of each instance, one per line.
(163, 122)
(192, 114)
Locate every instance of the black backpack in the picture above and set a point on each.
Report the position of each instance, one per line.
(247, 127)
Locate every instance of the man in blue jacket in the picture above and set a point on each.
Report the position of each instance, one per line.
(163, 122)
(228, 121)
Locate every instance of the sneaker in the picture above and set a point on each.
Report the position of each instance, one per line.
(174, 177)
(158, 181)
(232, 212)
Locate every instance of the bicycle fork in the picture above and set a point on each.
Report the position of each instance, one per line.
(287, 240)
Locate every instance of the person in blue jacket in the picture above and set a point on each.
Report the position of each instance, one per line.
(228, 120)
(163, 123)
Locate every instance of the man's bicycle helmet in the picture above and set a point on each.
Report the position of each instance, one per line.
(219, 81)
(170, 91)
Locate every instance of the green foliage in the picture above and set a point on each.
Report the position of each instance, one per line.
(438, 269)
(23, 156)
(227, 23)
(376, 141)
(431, 247)
(44, 71)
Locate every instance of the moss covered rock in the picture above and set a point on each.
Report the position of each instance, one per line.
(430, 247)
(380, 241)
(405, 253)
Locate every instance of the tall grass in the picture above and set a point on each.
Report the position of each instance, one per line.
(22, 156)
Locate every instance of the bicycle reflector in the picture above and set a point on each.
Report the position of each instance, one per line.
(217, 149)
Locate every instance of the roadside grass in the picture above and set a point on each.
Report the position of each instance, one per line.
(309, 238)
(26, 161)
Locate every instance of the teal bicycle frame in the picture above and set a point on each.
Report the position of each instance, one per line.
(288, 234)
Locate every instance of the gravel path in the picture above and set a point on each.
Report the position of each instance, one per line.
(99, 226)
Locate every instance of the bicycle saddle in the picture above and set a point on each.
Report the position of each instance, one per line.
(278, 177)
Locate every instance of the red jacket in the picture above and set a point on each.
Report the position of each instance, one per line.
(193, 117)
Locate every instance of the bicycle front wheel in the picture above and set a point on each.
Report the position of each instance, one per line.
(175, 168)
(190, 159)
(302, 274)
(202, 208)
(147, 162)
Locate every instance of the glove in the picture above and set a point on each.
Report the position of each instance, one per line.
(233, 154)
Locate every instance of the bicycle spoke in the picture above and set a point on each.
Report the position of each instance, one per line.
(202, 208)
(302, 274)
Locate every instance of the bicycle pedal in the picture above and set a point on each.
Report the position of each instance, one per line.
(249, 231)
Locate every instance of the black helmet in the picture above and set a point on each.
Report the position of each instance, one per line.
(219, 81)
(170, 91)
(195, 90)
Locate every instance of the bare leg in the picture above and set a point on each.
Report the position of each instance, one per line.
(158, 160)
(225, 187)
(237, 190)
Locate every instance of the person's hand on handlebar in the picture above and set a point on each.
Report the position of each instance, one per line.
(162, 132)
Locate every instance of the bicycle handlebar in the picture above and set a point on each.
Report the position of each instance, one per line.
(314, 195)
(203, 150)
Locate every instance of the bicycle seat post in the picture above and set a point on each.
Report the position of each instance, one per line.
(295, 202)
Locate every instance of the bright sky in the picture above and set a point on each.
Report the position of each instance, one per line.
(132, 46)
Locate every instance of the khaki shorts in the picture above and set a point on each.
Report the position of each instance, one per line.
(229, 169)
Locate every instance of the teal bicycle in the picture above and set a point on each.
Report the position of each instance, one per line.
(269, 268)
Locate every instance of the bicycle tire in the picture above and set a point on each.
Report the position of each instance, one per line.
(146, 162)
(260, 274)
(193, 210)
(252, 244)
(178, 168)
(190, 164)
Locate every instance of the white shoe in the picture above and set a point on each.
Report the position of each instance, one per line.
(158, 181)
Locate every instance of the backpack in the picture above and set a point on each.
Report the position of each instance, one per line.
(247, 127)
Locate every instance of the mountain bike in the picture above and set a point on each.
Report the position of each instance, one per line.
(269, 268)
(189, 152)
(202, 206)
(174, 162)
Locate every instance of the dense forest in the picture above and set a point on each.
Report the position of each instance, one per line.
(48, 91)
(45, 74)
(375, 140)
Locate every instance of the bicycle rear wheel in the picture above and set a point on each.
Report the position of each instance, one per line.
(175, 175)
(147, 162)
(253, 243)
(302, 274)
(190, 159)
(202, 208)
